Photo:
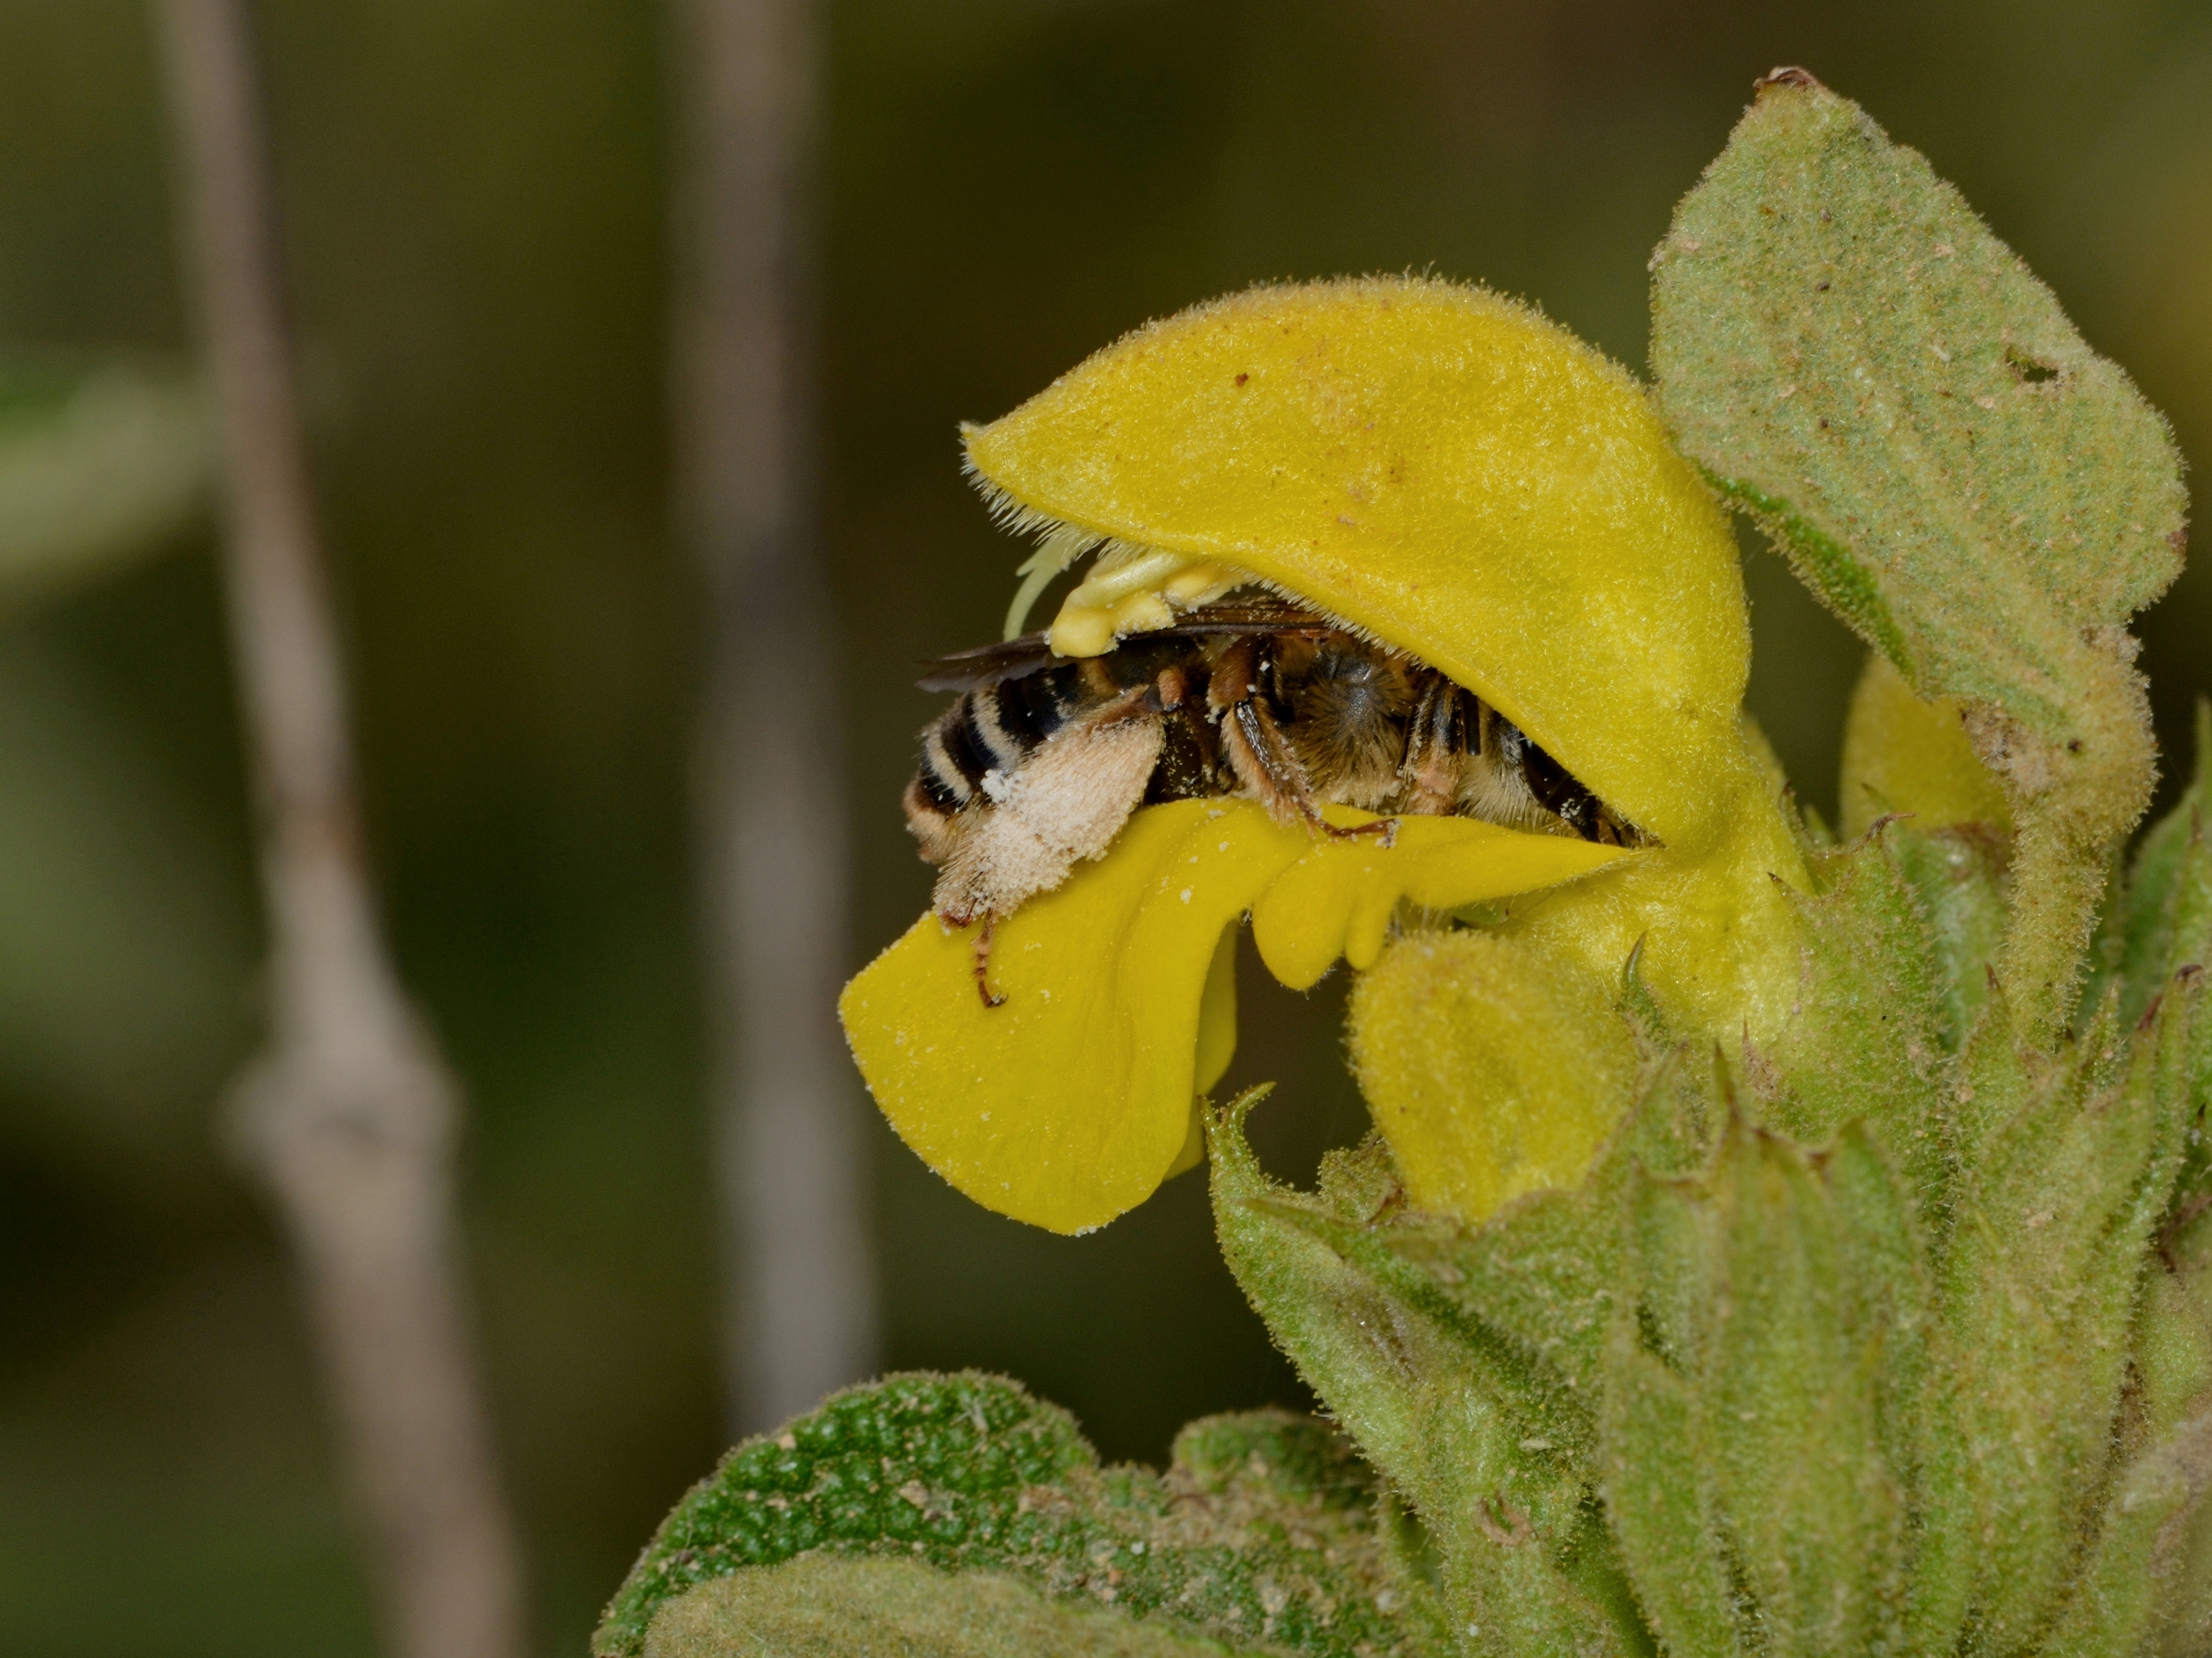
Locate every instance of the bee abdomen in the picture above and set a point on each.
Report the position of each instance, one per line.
(978, 743)
(1554, 788)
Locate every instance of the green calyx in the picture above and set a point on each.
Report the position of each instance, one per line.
(1892, 1337)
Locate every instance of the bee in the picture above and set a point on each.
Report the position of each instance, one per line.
(1041, 759)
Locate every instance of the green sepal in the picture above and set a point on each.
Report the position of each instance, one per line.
(2144, 1554)
(2173, 1351)
(1958, 873)
(1762, 1422)
(2159, 918)
(1484, 1431)
(1680, 1100)
(2070, 1170)
(2157, 924)
(1530, 1295)
(2148, 1579)
(1867, 1038)
(1263, 1534)
(1658, 1486)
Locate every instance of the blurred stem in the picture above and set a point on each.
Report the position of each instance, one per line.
(349, 1115)
(799, 1319)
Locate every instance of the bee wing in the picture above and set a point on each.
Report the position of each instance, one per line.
(1245, 616)
(1018, 658)
(988, 665)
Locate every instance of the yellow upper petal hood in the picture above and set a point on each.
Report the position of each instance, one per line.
(1446, 469)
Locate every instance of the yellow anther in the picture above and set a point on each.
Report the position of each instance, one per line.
(1136, 589)
(1202, 583)
(1082, 630)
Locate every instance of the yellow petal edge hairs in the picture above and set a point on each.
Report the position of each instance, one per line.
(1441, 471)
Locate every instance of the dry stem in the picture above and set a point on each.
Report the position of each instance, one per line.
(800, 1321)
(350, 1114)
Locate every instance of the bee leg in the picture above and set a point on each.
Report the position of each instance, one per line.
(1259, 756)
(991, 998)
(1263, 761)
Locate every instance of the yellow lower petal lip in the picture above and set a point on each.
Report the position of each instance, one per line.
(1338, 899)
(1068, 1104)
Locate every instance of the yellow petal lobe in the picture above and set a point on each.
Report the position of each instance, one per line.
(1217, 1045)
(1492, 1069)
(1719, 934)
(1903, 753)
(1339, 898)
(1217, 1015)
(1444, 469)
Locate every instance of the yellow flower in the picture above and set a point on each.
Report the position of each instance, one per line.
(1449, 473)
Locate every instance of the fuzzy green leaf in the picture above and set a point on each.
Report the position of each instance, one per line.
(1848, 348)
(1884, 386)
(836, 1606)
(1262, 1534)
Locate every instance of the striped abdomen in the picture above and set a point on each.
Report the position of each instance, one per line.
(973, 750)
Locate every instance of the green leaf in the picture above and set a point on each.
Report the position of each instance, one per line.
(1260, 1535)
(94, 469)
(1862, 366)
(2159, 920)
(1483, 1431)
(835, 1606)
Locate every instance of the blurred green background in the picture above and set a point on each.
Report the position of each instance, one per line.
(474, 200)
